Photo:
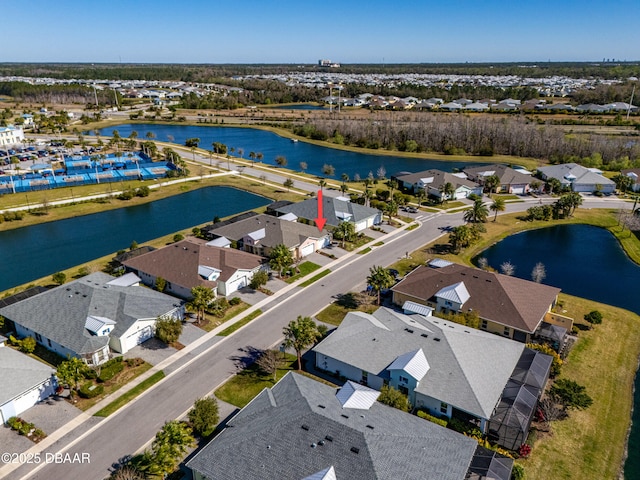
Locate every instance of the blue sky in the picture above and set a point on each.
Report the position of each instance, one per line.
(286, 31)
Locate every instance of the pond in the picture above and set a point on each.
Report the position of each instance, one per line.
(583, 260)
(587, 262)
(39, 250)
(272, 146)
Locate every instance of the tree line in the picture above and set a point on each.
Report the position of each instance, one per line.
(463, 134)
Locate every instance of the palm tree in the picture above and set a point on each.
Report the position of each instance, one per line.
(420, 196)
(344, 188)
(300, 334)
(498, 205)
(446, 191)
(252, 156)
(323, 183)
(379, 278)
(345, 231)
(478, 213)
(368, 196)
(344, 177)
(259, 156)
(201, 298)
(491, 183)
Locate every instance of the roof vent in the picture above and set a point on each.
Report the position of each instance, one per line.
(370, 426)
(313, 445)
(305, 427)
(321, 406)
(487, 280)
(436, 339)
(475, 276)
(355, 449)
(328, 438)
(408, 330)
(424, 335)
(344, 416)
(321, 442)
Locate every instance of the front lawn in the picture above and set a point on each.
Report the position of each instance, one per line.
(138, 367)
(243, 387)
(212, 321)
(349, 302)
(304, 268)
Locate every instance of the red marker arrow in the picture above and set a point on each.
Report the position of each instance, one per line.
(320, 221)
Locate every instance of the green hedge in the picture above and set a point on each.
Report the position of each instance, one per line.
(86, 392)
(440, 421)
(110, 369)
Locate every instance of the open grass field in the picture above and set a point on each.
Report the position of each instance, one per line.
(590, 443)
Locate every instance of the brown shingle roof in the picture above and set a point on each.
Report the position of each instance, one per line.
(178, 263)
(503, 299)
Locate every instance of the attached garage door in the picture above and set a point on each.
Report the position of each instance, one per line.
(307, 250)
(517, 189)
(23, 403)
(138, 337)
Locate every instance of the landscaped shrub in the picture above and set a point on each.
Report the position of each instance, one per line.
(19, 425)
(134, 362)
(110, 369)
(464, 427)
(235, 301)
(440, 421)
(90, 390)
(525, 450)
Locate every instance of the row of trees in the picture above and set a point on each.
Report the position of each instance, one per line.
(516, 136)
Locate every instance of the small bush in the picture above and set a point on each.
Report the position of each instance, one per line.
(464, 427)
(168, 330)
(235, 301)
(86, 390)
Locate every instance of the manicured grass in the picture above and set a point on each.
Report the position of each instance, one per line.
(364, 251)
(232, 328)
(314, 278)
(112, 385)
(213, 321)
(130, 395)
(243, 387)
(334, 313)
(413, 226)
(305, 269)
(590, 443)
(361, 240)
(378, 244)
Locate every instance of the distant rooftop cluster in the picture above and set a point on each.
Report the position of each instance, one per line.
(549, 86)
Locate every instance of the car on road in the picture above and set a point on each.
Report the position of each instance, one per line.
(412, 210)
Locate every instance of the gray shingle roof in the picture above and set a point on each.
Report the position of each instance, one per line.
(439, 178)
(333, 209)
(468, 368)
(276, 231)
(60, 314)
(581, 175)
(298, 428)
(507, 175)
(19, 373)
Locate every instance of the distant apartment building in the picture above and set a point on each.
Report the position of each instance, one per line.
(11, 135)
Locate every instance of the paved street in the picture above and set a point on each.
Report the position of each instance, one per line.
(199, 372)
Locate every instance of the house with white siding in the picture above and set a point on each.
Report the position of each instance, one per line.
(24, 381)
(446, 368)
(92, 316)
(578, 178)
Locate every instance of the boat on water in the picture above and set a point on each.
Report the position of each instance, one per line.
(294, 140)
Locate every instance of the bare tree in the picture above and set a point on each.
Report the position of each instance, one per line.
(551, 411)
(483, 263)
(269, 361)
(507, 268)
(539, 273)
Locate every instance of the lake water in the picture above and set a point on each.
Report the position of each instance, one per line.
(587, 262)
(36, 251)
(272, 146)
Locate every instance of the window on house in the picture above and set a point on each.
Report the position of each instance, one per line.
(404, 379)
(39, 337)
(506, 332)
(403, 390)
(365, 377)
(483, 324)
(443, 407)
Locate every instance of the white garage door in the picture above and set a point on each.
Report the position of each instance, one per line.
(138, 337)
(21, 404)
(519, 190)
(307, 250)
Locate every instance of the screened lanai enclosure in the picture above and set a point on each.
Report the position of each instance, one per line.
(510, 422)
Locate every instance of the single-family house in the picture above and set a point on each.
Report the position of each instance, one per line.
(259, 234)
(302, 429)
(511, 180)
(192, 263)
(578, 178)
(507, 305)
(445, 368)
(433, 182)
(24, 381)
(336, 210)
(91, 316)
(634, 174)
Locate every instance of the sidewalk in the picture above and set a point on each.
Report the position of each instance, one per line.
(178, 361)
